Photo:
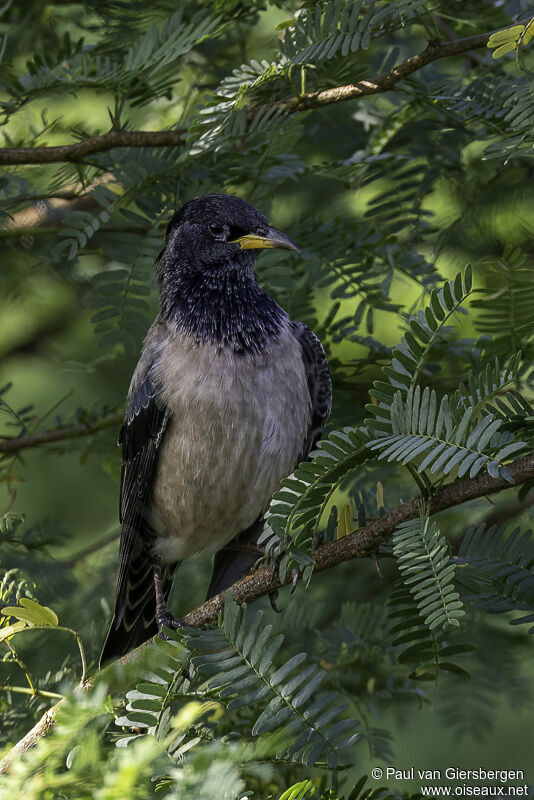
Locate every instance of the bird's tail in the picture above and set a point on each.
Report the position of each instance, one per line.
(134, 620)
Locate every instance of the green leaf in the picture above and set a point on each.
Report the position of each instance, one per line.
(422, 556)
(511, 34)
(503, 49)
(32, 613)
(298, 791)
(11, 630)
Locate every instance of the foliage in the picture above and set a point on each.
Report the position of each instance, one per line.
(498, 565)
(238, 659)
(424, 564)
(390, 196)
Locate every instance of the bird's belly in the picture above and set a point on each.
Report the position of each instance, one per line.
(237, 427)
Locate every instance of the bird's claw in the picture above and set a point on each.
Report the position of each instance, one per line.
(167, 620)
(273, 596)
(377, 565)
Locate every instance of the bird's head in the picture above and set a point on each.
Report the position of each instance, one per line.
(218, 232)
(206, 273)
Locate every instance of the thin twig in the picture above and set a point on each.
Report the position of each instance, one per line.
(508, 511)
(388, 80)
(60, 434)
(449, 33)
(81, 648)
(110, 537)
(33, 692)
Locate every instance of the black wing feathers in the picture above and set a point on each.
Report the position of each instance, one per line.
(144, 424)
(319, 383)
(135, 610)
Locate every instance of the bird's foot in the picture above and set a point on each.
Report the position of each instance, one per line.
(165, 619)
(296, 574)
(273, 596)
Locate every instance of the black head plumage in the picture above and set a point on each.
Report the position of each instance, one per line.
(206, 273)
(222, 209)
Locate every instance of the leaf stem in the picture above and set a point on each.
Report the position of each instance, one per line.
(34, 692)
(81, 648)
(22, 665)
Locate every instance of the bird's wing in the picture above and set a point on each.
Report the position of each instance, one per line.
(144, 425)
(319, 383)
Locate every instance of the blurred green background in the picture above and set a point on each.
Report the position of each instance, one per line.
(400, 185)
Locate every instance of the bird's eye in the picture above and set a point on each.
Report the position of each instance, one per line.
(218, 231)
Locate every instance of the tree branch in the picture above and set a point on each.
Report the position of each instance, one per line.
(52, 230)
(95, 144)
(41, 728)
(49, 209)
(47, 437)
(388, 80)
(176, 138)
(361, 543)
(33, 338)
(80, 555)
(366, 540)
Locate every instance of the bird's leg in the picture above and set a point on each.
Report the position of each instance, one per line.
(164, 618)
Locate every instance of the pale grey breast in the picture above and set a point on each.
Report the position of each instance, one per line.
(237, 427)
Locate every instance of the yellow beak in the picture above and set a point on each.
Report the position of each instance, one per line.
(272, 239)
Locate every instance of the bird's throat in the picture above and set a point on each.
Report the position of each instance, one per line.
(226, 308)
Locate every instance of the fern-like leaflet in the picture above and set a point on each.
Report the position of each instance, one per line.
(442, 442)
(497, 570)
(411, 355)
(424, 562)
(234, 663)
(413, 425)
(289, 695)
(296, 509)
(341, 28)
(427, 651)
(408, 425)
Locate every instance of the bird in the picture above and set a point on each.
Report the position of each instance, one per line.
(228, 396)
